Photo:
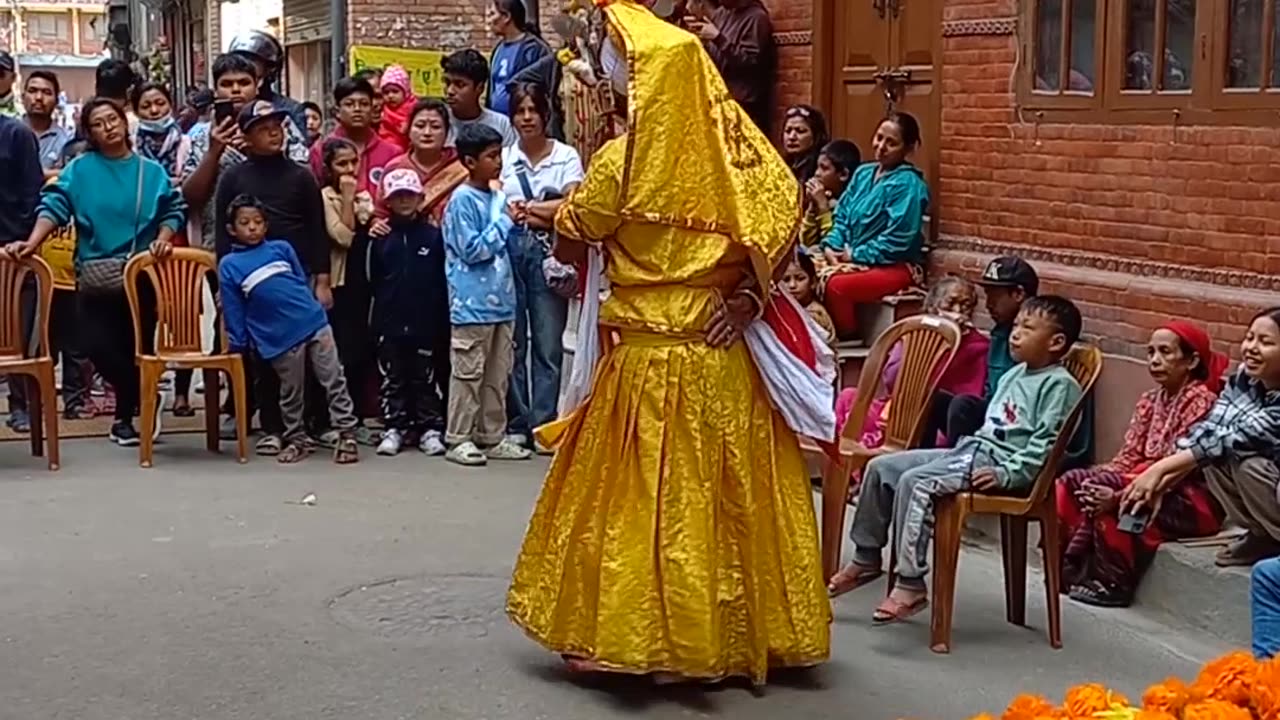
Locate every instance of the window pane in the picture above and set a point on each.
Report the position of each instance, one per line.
(1083, 24)
(1244, 51)
(1140, 39)
(1048, 42)
(1275, 48)
(1179, 44)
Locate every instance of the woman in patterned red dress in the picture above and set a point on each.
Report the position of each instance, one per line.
(1101, 563)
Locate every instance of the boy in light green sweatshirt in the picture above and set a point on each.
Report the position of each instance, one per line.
(1023, 419)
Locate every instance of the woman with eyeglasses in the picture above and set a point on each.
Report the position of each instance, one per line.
(122, 204)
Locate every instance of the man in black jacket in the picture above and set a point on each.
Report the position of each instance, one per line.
(20, 185)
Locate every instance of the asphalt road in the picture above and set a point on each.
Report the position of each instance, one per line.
(202, 590)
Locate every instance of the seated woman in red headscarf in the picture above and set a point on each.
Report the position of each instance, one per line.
(1101, 563)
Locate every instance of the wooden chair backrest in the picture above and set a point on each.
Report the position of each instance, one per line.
(928, 343)
(14, 341)
(1084, 362)
(178, 281)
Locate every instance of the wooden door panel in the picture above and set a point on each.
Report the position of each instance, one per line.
(916, 24)
(861, 34)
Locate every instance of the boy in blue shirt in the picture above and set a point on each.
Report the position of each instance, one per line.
(482, 305)
(268, 306)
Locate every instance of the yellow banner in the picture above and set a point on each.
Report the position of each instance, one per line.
(423, 66)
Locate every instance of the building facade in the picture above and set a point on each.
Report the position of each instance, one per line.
(66, 36)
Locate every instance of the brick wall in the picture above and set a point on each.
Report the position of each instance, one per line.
(426, 24)
(1137, 223)
(792, 26)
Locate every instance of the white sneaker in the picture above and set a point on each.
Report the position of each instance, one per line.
(160, 405)
(517, 439)
(432, 444)
(466, 454)
(391, 443)
(507, 450)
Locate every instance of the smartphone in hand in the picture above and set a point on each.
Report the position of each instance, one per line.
(222, 109)
(1134, 523)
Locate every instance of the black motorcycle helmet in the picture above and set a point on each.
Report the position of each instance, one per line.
(264, 50)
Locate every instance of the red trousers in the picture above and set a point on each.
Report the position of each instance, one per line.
(846, 291)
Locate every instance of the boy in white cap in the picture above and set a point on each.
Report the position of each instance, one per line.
(410, 319)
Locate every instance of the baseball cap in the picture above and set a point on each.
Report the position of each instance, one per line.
(202, 100)
(402, 180)
(6, 62)
(258, 111)
(1011, 271)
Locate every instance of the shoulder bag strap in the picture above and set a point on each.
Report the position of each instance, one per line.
(137, 206)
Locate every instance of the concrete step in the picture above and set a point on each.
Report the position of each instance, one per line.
(1184, 585)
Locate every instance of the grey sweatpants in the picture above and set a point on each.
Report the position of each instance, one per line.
(291, 367)
(901, 489)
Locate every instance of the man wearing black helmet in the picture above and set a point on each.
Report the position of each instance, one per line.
(265, 52)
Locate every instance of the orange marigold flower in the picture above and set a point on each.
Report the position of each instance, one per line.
(1083, 701)
(983, 716)
(1266, 690)
(1215, 710)
(1169, 696)
(1145, 714)
(1030, 707)
(1229, 678)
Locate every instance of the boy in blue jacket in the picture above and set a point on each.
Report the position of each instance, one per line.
(410, 319)
(482, 305)
(268, 306)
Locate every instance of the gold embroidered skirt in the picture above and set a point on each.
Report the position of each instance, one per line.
(675, 531)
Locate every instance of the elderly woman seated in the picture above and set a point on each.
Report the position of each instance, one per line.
(1103, 563)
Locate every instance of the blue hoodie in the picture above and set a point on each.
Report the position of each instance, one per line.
(482, 288)
(267, 302)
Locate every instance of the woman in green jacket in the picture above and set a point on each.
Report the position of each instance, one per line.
(122, 204)
(876, 243)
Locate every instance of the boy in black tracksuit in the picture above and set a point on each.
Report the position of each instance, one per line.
(410, 319)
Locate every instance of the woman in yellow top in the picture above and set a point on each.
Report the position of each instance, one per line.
(675, 533)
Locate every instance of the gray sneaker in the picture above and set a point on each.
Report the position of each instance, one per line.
(227, 428)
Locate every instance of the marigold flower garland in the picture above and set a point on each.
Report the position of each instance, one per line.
(1233, 687)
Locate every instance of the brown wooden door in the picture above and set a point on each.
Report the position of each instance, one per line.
(873, 55)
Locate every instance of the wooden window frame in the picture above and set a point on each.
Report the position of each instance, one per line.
(1208, 102)
(53, 17)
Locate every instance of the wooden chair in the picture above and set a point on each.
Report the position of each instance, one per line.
(42, 395)
(1016, 513)
(929, 343)
(178, 281)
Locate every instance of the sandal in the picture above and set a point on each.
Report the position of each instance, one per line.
(1246, 551)
(891, 610)
(1099, 594)
(269, 446)
(581, 665)
(347, 452)
(182, 408)
(850, 578)
(294, 452)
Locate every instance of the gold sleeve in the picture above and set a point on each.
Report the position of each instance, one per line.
(590, 214)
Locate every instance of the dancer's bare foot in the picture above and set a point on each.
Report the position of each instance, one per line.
(582, 665)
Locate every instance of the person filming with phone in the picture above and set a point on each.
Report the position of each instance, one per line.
(1105, 552)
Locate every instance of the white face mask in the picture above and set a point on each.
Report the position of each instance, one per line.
(615, 67)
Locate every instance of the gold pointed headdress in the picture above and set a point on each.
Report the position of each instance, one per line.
(694, 157)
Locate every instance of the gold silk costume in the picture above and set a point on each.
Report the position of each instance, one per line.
(675, 531)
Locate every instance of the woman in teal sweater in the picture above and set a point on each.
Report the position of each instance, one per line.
(121, 203)
(877, 238)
